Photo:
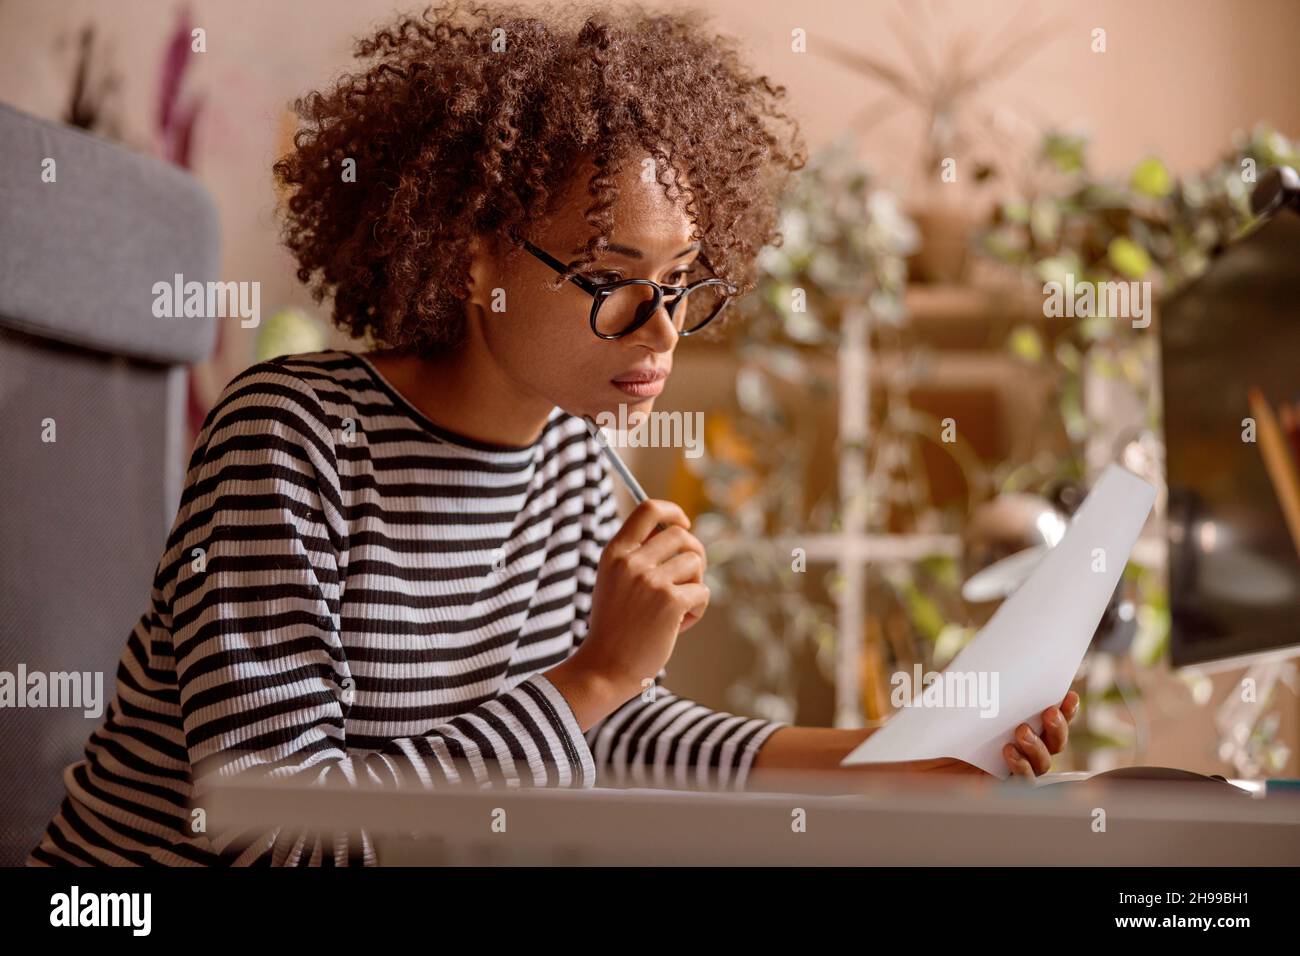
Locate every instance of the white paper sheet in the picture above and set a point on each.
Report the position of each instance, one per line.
(1026, 656)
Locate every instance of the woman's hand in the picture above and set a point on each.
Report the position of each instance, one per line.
(1028, 755)
(649, 588)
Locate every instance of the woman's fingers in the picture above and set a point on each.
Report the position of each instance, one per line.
(1056, 723)
(1030, 755)
(694, 600)
(1056, 730)
(1016, 761)
(683, 569)
(686, 571)
(693, 615)
(1033, 749)
(666, 544)
(640, 524)
(1070, 705)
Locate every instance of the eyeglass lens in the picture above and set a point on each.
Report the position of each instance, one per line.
(631, 304)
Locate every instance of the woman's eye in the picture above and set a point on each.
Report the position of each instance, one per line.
(677, 278)
(604, 278)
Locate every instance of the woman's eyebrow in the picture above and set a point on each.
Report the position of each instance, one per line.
(638, 254)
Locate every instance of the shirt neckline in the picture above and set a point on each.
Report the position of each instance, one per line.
(439, 431)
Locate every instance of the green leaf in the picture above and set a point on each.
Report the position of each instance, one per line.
(925, 614)
(1152, 178)
(1016, 211)
(1059, 268)
(1065, 151)
(1044, 221)
(1025, 343)
(1128, 258)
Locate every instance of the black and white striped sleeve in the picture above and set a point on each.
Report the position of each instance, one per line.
(264, 682)
(658, 739)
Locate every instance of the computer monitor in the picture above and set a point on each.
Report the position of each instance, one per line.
(1234, 565)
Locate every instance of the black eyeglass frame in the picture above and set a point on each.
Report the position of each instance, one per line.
(602, 291)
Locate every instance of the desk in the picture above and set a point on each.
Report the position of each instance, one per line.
(907, 820)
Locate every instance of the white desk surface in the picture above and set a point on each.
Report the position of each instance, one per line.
(888, 820)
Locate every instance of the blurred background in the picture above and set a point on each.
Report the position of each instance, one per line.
(895, 412)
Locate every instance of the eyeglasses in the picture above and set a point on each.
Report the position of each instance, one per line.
(620, 308)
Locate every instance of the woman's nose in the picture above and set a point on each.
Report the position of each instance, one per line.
(659, 331)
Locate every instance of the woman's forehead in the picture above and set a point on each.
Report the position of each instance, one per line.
(645, 218)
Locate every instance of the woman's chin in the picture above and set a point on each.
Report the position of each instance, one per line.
(609, 412)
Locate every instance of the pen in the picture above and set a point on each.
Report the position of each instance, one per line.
(634, 486)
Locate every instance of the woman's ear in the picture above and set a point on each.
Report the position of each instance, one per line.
(480, 271)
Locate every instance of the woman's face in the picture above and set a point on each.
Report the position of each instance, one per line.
(543, 341)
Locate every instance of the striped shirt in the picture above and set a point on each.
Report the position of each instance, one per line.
(352, 593)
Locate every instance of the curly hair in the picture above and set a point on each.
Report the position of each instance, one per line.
(468, 121)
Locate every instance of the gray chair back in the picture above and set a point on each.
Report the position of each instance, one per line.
(83, 518)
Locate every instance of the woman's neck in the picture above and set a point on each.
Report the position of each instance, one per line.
(467, 394)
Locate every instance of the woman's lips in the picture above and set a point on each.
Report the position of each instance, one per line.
(641, 389)
(642, 383)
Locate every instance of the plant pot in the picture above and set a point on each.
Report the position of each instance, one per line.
(946, 230)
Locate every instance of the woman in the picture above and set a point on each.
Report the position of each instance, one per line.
(405, 566)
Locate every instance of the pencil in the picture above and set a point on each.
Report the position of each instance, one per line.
(629, 479)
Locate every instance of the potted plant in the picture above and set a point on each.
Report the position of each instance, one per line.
(962, 138)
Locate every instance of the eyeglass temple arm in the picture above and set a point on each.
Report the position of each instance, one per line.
(584, 284)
